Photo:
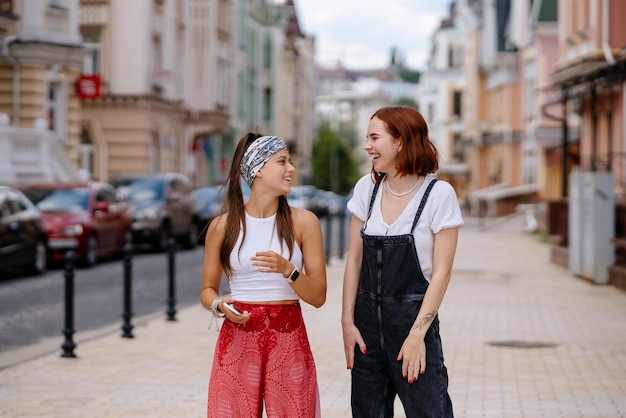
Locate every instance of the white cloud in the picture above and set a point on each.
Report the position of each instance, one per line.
(361, 33)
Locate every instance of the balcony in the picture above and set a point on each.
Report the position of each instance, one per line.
(32, 155)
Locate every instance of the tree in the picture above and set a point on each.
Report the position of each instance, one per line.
(406, 101)
(409, 76)
(334, 166)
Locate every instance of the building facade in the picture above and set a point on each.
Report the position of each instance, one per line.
(589, 78)
(164, 68)
(151, 86)
(40, 63)
(440, 98)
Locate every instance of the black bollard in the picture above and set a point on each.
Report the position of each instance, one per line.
(69, 346)
(171, 294)
(127, 315)
(329, 228)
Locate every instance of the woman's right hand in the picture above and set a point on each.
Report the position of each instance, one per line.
(351, 338)
(233, 317)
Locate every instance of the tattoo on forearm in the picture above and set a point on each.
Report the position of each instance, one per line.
(424, 322)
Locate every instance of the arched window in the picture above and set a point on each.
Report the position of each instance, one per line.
(86, 153)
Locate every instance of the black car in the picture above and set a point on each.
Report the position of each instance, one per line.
(23, 239)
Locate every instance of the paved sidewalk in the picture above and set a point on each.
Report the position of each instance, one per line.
(522, 338)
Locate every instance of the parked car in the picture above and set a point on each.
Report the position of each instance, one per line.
(300, 196)
(162, 206)
(325, 202)
(90, 218)
(23, 239)
(210, 203)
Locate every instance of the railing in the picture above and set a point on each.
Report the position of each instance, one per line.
(33, 155)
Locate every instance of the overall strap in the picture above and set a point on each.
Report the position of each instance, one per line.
(423, 203)
(369, 210)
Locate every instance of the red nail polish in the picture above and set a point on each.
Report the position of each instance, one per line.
(422, 371)
(365, 351)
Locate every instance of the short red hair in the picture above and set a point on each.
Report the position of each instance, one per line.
(418, 154)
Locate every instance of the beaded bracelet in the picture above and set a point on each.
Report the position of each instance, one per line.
(214, 308)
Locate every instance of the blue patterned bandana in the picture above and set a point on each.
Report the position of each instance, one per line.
(257, 154)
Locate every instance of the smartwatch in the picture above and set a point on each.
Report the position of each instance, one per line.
(294, 274)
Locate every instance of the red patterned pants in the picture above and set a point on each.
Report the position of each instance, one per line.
(267, 361)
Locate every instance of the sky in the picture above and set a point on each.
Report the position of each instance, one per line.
(361, 33)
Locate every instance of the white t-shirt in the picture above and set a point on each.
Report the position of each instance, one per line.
(249, 284)
(440, 212)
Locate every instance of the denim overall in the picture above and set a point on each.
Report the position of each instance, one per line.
(391, 291)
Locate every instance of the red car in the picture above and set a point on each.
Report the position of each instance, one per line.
(91, 219)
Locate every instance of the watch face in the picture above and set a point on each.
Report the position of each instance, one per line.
(295, 275)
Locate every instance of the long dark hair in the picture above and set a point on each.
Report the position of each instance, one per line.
(236, 217)
(418, 155)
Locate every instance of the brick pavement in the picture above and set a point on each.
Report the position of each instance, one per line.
(522, 338)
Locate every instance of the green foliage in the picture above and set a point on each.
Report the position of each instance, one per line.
(406, 101)
(334, 166)
(409, 76)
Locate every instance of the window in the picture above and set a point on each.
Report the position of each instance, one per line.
(157, 53)
(53, 105)
(267, 101)
(85, 153)
(154, 154)
(456, 103)
(267, 53)
(91, 42)
(222, 80)
(223, 12)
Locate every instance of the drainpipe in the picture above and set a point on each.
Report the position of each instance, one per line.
(608, 55)
(16, 78)
(564, 145)
(594, 127)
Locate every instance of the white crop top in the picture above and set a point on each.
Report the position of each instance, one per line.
(247, 283)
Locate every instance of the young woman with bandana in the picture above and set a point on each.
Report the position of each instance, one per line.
(273, 257)
(403, 237)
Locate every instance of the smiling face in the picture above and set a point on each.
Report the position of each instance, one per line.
(277, 172)
(381, 147)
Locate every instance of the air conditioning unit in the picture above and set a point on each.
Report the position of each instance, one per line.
(591, 225)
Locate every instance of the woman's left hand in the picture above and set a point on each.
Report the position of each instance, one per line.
(413, 357)
(272, 262)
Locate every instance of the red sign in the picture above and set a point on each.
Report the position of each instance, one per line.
(88, 86)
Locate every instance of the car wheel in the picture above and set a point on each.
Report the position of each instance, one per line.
(91, 256)
(40, 261)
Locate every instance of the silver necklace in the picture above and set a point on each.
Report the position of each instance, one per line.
(419, 180)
